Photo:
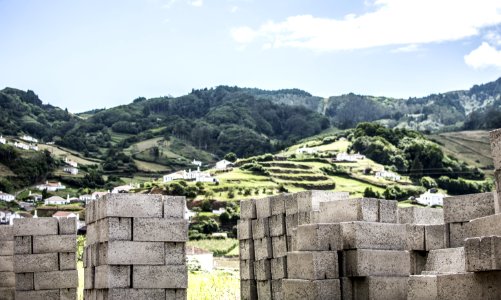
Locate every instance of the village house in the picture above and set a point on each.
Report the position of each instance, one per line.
(305, 150)
(349, 157)
(18, 215)
(223, 164)
(33, 147)
(5, 217)
(430, 199)
(196, 163)
(123, 188)
(387, 175)
(51, 186)
(70, 162)
(22, 146)
(65, 215)
(29, 139)
(200, 257)
(174, 176)
(3, 140)
(6, 197)
(71, 170)
(86, 198)
(56, 200)
(97, 195)
(34, 197)
(27, 206)
(196, 175)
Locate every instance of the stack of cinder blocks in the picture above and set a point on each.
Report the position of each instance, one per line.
(136, 247)
(7, 277)
(45, 258)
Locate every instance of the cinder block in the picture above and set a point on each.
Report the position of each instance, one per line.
(7, 279)
(312, 265)
(6, 248)
(248, 209)
(7, 293)
(495, 138)
(277, 225)
(247, 269)
(175, 253)
(248, 290)
(89, 276)
(306, 217)
(68, 294)
(276, 289)
(174, 207)
(277, 204)
(6, 264)
(56, 280)
(300, 289)
(388, 211)
(420, 215)
(310, 200)
(291, 223)
(279, 268)
(25, 263)
(279, 246)
(263, 208)
(380, 288)
(22, 245)
(165, 230)
(107, 277)
(456, 233)
(132, 294)
(291, 204)
(372, 235)
(25, 281)
(67, 261)
(67, 226)
(35, 226)
(319, 237)
(264, 289)
(6, 233)
(260, 228)
(262, 269)
(263, 249)
(152, 277)
(362, 209)
(418, 261)
(447, 286)
(54, 243)
(175, 294)
(246, 248)
(449, 260)
(365, 262)
(130, 206)
(131, 253)
(468, 207)
(497, 192)
(244, 229)
(434, 237)
(483, 253)
(114, 229)
(45, 295)
(485, 226)
(415, 237)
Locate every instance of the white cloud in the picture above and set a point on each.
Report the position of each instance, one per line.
(197, 3)
(483, 57)
(393, 22)
(408, 48)
(233, 9)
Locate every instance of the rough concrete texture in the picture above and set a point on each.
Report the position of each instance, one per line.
(434, 237)
(54, 244)
(260, 228)
(131, 253)
(127, 294)
(107, 277)
(110, 229)
(67, 261)
(279, 246)
(22, 245)
(279, 268)
(263, 249)
(376, 288)
(291, 223)
(319, 237)
(420, 215)
(372, 235)
(485, 226)
(300, 289)
(262, 269)
(468, 207)
(167, 277)
(35, 226)
(263, 289)
(276, 289)
(175, 253)
(277, 225)
(415, 237)
(67, 226)
(456, 233)
(7, 276)
(248, 209)
(497, 192)
(495, 138)
(7, 293)
(450, 260)
(291, 204)
(42, 295)
(246, 249)
(24, 263)
(7, 279)
(263, 208)
(159, 229)
(129, 206)
(388, 212)
(246, 269)
(312, 265)
(244, 229)
(366, 262)
(25, 281)
(248, 290)
(56, 280)
(174, 207)
(483, 253)
(310, 200)
(362, 209)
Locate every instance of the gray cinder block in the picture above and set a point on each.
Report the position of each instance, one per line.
(420, 215)
(24, 263)
(418, 261)
(6, 264)
(165, 230)
(131, 294)
(277, 225)
(56, 280)
(174, 207)
(35, 226)
(6, 248)
(246, 249)
(365, 262)
(449, 260)
(495, 138)
(248, 209)
(362, 209)
(113, 229)
(276, 289)
(279, 268)
(7, 279)
(107, 277)
(262, 269)
(435, 237)
(490, 225)
(6, 233)
(279, 246)
(260, 228)
(130, 206)
(7, 293)
(277, 205)
(248, 290)
(67, 261)
(247, 269)
(67, 226)
(175, 294)
(291, 223)
(263, 249)
(456, 233)
(22, 245)
(446, 286)
(45, 295)
(310, 200)
(468, 207)
(54, 243)
(300, 289)
(263, 207)
(319, 237)
(312, 265)
(168, 277)
(89, 276)
(25, 281)
(244, 229)
(372, 235)
(380, 288)
(263, 289)
(291, 204)
(415, 237)
(483, 253)
(175, 253)
(68, 294)
(131, 253)
(388, 211)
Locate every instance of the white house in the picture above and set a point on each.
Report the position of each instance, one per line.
(21, 146)
(71, 170)
(86, 198)
(56, 200)
(349, 157)
(195, 175)
(200, 257)
(123, 189)
(174, 176)
(219, 211)
(65, 215)
(6, 197)
(51, 186)
(223, 164)
(196, 163)
(430, 199)
(5, 217)
(3, 140)
(306, 150)
(34, 197)
(29, 139)
(33, 147)
(387, 175)
(68, 161)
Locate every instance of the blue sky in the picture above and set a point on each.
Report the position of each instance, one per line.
(85, 54)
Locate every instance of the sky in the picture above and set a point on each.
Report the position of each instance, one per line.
(86, 54)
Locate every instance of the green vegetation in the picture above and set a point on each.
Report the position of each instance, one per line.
(215, 285)
(219, 247)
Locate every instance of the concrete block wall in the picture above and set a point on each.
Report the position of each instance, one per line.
(136, 248)
(45, 258)
(7, 276)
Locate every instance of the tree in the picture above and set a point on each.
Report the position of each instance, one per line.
(370, 193)
(230, 156)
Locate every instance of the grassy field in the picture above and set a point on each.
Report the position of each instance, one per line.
(60, 152)
(226, 247)
(224, 285)
(5, 171)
